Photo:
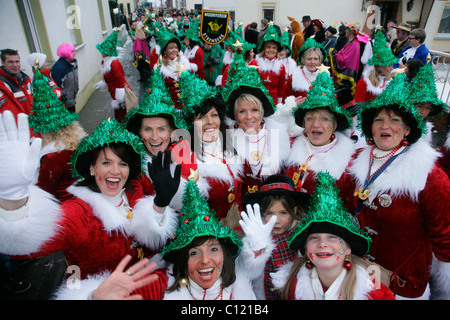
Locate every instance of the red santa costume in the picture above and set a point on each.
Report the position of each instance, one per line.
(196, 57)
(300, 82)
(273, 74)
(444, 161)
(366, 91)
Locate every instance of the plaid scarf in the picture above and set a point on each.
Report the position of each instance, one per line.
(280, 255)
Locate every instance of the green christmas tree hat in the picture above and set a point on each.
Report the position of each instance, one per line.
(193, 32)
(165, 37)
(242, 79)
(48, 114)
(328, 214)
(382, 53)
(238, 34)
(109, 46)
(396, 96)
(286, 41)
(194, 91)
(323, 95)
(310, 43)
(108, 132)
(197, 220)
(156, 101)
(271, 35)
(423, 90)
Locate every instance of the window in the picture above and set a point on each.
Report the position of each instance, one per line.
(444, 25)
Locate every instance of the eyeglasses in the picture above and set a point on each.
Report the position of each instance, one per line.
(412, 38)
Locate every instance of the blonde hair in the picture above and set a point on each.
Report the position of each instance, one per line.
(348, 287)
(248, 98)
(68, 136)
(374, 77)
(165, 59)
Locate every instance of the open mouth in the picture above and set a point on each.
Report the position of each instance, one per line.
(206, 274)
(317, 133)
(112, 183)
(324, 255)
(385, 136)
(156, 145)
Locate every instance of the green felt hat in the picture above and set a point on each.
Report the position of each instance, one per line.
(423, 90)
(285, 40)
(197, 220)
(193, 33)
(310, 43)
(194, 91)
(107, 132)
(48, 114)
(382, 53)
(395, 96)
(155, 102)
(328, 214)
(271, 35)
(242, 79)
(109, 46)
(238, 34)
(323, 95)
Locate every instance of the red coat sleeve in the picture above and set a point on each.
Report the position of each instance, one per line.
(199, 60)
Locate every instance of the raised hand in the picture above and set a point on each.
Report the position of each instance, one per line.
(257, 232)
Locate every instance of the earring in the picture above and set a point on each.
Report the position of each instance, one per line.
(347, 264)
(333, 137)
(305, 133)
(262, 123)
(370, 142)
(236, 126)
(308, 264)
(404, 143)
(183, 282)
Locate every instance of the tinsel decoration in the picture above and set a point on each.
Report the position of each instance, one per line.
(242, 79)
(48, 114)
(196, 219)
(382, 53)
(322, 94)
(107, 132)
(193, 32)
(423, 90)
(327, 214)
(109, 46)
(271, 35)
(164, 36)
(155, 100)
(285, 40)
(310, 43)
(395, 95)
(194, 91)
(236, 35)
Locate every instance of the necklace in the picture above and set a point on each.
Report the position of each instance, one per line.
(388, 156)
(270, 71)
(219, 296)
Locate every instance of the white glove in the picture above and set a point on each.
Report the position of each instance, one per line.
(258, 234)
(120, 95)
(19, 159)
(100, 85)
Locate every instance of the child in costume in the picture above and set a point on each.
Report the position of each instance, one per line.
(277, 197)
(332, 246)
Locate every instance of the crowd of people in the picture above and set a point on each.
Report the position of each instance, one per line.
(278, 164)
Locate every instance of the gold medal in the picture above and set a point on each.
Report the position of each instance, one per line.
(256, 155)
(362, 194)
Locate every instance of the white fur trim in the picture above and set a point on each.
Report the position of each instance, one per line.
(248, 260)
(151, 228)
(168, 71)
(82, 290)
(273, 65)
(120, 94)
(335, 161)
(103, 209)
(284, 113)
(27, 235)
(440, 279)
(279, 277)
(371, 88)
(106, 66)
(299, 82)
(397, 178)
(190, 53)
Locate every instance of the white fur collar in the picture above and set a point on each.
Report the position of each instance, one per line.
(378, 89)
(227, 58)
(299, 82)
(397, 179)
(106, 65)
(266, 65)
(304, 288)
(190, 52)
(168, 71)
(335, 161)
(111, 217)
(290, 65)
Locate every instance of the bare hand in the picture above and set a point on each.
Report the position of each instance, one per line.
(120, 284)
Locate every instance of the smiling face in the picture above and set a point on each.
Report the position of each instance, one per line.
(111, 172)
(171, 51)
(12, 63)
(284, 219)
(249, 116)
(270, 50)
(319, 126)
(155, 133)
(205, 263)
(388, 130)
(327, 252)
(208, 125)
(312, 61)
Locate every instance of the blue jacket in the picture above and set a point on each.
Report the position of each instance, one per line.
(65, 75)
(421, 54)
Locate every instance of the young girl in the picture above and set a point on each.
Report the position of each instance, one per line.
(278, 198)
(332, 246)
